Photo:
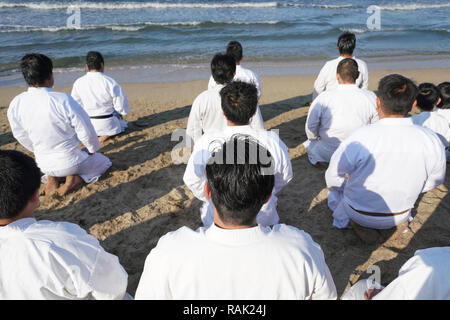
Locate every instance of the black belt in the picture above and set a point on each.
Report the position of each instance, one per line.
(102, 117)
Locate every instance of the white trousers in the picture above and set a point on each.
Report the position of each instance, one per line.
(89, 170)
(318, 151)
(109, 126)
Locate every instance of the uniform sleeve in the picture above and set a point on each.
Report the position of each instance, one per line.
(154, 284)
(285, 175)
(195, 174)
(439, 165)
(312, 124)
(258, 85)
(324, 287)
(194, 126)
(211, 83)
(365, 76)
(320, 83)
(81, 122)
(338, 167)
(17, 130)
(75, 95)
(120, 100)
(257, 122)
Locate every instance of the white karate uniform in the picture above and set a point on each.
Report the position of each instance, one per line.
(195, 174)
(206, 114)
(327, 80)
(334, 115)
(422, 277)
(258, 263)
(444, 112)
(56, 260)
(243, 75)
(436, 122)
(51, 125)
(389, 164)
(101, 95)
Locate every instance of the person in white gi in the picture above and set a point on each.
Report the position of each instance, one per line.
(422, 277)
(376, 175)
(101, 97)
(427, 99)
(336, 113)
(443, 107)
(239, 102)
(46, 260)
(51, 125)
(234, 49)
(206, 113)
(236, 258)
(327, 80)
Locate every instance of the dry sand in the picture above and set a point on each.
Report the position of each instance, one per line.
(142, 196)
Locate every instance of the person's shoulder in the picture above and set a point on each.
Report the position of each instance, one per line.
(290, 236)
(183, 236)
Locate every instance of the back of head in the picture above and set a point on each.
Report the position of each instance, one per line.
(223, 68)
(94, 60)
(234, 49)
(240, 179)
(36, 68)
(19, 179)
(428, 96)
(348, 70)
(239, 101)
(346, 43)
(397, 94)
(444, 89)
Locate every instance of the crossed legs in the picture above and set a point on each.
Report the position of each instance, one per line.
(53, 185)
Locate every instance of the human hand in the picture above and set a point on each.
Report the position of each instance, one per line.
(371, 293)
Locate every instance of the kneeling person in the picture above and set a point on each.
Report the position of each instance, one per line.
(236, 258)
(377, 174)
(102, 97)
(51, 125)
(238, 103)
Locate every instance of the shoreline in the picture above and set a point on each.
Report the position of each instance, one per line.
(172, 73)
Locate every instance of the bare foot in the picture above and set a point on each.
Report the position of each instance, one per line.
(71, 182)
(368, 235)
(103, 138)
(51, 186)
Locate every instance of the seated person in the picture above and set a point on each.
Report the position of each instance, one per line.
(427, 99)
(234, 49)
(443, 107)
(236, 258)
(45, 259)
(239, 101)
(51, 125)
(101, 97)
(377, 174)
(206, 113)
(327, 80)
(337, 112)
(423, 277)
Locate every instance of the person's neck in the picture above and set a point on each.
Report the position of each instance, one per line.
(95, 71)
(229, 226)
(344, 55)
(390, 116)
(26, 213)
(346, 83)
(232, 124)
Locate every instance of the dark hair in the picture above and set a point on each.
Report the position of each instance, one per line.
(240, 185)
(428, 96)
(444, 89)
(19, 179)
(36, 68)
(94, 60)
(234, 49)
(346, 43)
(397, 94)
(348, 70)
(223, 68)
(239, 101)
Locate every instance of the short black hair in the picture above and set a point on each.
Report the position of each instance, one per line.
(36, 68)
(240, 187)
(444, 89)
(346, 43)
(239, 102)
(428, 96)
(234, 49)
(94, 60)
(397, 94)
(348, 70)
(19, 179)
(223, 68)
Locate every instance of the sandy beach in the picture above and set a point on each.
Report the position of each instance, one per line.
(142, 196)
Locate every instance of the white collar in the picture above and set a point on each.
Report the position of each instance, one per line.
(235, 236)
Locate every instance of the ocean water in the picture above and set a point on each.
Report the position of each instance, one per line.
(168, 39)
